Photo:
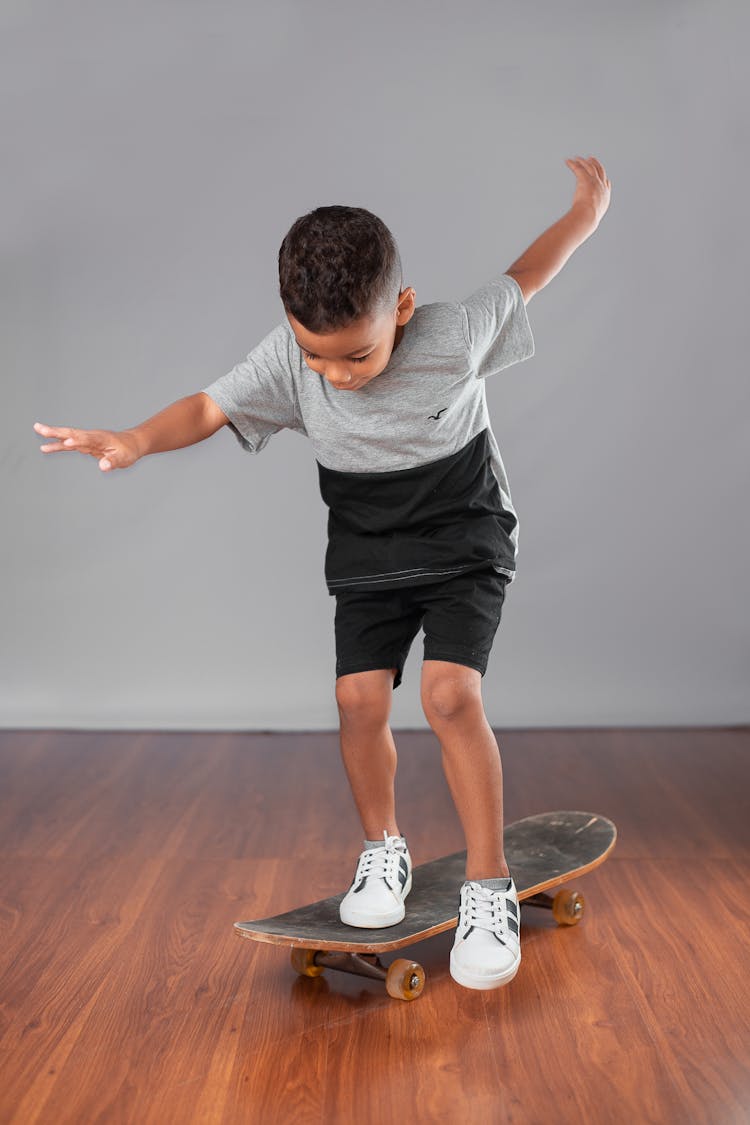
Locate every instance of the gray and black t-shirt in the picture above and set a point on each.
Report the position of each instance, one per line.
(408, 464)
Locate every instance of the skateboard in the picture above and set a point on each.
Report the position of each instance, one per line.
(542, 852)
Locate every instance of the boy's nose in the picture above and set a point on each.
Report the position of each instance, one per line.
(339, 380)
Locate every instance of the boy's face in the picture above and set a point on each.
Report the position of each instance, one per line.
(355, 355)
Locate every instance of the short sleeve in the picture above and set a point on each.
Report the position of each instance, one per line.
(496, 327)
(258, 395)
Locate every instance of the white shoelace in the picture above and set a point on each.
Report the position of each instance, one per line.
(381, 862)
(486, 909)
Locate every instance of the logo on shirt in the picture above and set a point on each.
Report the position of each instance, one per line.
(441, 411)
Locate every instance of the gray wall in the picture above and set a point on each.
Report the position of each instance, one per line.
(156, 154)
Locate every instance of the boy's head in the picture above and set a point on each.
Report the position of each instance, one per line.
(340, 282)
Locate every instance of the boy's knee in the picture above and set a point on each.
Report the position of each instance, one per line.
(447, 695)
(365, 697)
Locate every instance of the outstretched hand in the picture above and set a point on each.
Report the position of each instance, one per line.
(112, 450)
(592, 187)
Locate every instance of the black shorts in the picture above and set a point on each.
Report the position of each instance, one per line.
(460, 616)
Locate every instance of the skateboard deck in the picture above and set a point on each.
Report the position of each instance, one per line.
(542, 852)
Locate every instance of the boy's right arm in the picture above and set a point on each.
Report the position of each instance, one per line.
(184, 422)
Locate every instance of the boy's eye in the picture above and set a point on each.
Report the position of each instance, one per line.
(355, 359)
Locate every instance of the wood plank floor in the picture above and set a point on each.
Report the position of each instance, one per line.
(126, 996)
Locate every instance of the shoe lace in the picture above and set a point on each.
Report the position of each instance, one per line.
(378, 862)
(486, 908)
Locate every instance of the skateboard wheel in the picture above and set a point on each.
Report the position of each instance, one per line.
(404, 979)
(303, 962)
(567, 907)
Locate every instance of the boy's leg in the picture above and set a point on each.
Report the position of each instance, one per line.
(367, 748)
(452, 702)
(460, 621)
(382, 880)
(486, 950)
(374, 631)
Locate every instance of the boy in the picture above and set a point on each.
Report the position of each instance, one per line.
(421, 528)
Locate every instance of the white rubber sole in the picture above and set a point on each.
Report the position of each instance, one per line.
(374, 921)
(482, 980)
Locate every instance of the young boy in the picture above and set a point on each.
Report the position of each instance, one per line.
(421, 528)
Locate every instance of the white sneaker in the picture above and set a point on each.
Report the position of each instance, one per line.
(486, 952)
(381, 883)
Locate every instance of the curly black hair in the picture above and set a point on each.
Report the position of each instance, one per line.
(337, 265)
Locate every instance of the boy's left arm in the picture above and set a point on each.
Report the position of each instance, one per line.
(548, 254)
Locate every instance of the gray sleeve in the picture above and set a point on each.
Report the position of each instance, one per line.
(258, 394)
(496, 327)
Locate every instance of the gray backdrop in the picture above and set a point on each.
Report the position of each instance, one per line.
(154, 157)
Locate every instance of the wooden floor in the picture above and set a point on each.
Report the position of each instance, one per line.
(126, 996)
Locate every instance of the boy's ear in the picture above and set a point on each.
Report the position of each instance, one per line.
(407, 306)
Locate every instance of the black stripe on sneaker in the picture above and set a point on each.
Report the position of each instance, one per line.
(513, 925)
(512, 907)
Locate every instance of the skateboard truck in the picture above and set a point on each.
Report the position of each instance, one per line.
(566, 906)
(404, 980)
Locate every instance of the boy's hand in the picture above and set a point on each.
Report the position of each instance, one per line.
(593, 187)
(112, 450)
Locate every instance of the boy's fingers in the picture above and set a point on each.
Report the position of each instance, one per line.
(97, 443)
(71, 441)
(66, 434)
(84, 441)
(69, 445)
(596, 166)
(67, 438)
(592, 166)
(52, 431)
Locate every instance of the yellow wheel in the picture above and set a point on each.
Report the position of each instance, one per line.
(404, 979)
(567, 907)
(303, 962)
